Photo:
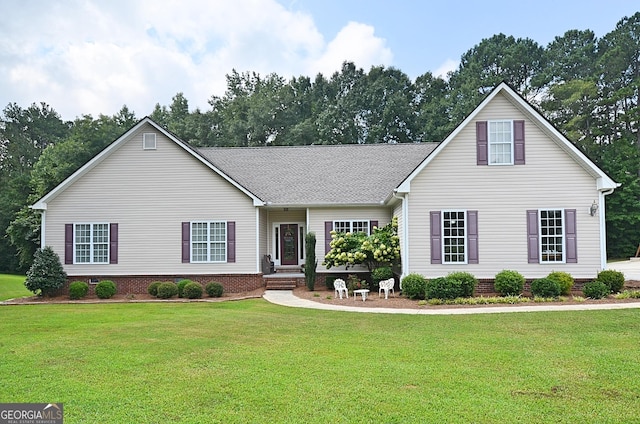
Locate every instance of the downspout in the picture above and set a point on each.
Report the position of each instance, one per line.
(43, 223)
(603, 228)
(405, 234)
(258, 260)
(307, 231)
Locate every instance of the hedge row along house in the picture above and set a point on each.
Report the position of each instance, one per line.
(505, 190)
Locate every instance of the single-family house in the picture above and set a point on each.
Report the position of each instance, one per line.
(505, 190)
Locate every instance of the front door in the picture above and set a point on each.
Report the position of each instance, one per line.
(289, 244)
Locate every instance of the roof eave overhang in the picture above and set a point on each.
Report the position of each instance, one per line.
(322, 205)
(39, 206)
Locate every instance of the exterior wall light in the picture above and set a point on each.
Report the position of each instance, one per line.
(593, 209)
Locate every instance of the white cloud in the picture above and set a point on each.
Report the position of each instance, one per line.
(357, 43)
(443, 70)
(91, 57)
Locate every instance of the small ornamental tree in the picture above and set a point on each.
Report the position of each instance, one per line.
(381, 248)
(46, 274)
(310, 260)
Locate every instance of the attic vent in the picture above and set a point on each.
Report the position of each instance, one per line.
(149, 141)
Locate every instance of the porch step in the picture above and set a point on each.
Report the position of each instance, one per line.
(280, 284)
(288, 269)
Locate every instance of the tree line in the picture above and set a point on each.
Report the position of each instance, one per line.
(588, 87)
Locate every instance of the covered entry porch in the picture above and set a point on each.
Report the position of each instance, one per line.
(285, 244)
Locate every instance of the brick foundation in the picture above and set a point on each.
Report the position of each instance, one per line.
(137, 284)
(238, 283)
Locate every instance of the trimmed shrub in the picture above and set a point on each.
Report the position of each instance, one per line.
(192, 290)
(328, 281)
(78, 290)
(564, 280)
(467, 283)
(442, 288)
(153, 288)
(46, 275)
(509, 283)
(105, 289)
(214, 289)
(379, 274)
(612, 279)
(414, 286)
(167, 290)
(596, 290)
(181, 285)
(545, 287)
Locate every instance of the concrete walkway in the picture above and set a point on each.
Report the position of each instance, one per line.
(287, 298)
(631, 270)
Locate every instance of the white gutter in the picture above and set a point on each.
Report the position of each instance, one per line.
(603, 228)
(258, 261)
(43, 240)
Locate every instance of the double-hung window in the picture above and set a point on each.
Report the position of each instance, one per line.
(551, 235)
(91, 243)
(500, 142)
(351, 227)
(454, 237)
(209, 241)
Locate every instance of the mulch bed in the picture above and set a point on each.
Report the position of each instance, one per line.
(131, 298)
(374, 301)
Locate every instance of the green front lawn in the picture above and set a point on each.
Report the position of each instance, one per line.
(253, 362)
(12, 286)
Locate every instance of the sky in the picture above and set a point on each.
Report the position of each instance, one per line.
(91, 57)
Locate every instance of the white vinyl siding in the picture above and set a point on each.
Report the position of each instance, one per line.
(150, 215)
(502, 195)
(91, 243)
(500, 142)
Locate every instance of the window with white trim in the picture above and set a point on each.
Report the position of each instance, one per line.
(149, 141)
(91, 243)
(351, 227)
(454, 239)
(209, 241)
(551, 235)
(500, 141)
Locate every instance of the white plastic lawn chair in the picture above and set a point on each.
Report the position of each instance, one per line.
(340, 286)
(387, 286)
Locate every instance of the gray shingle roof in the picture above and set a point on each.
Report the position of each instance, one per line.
(320, 175)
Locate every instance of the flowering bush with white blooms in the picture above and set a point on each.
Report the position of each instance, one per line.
(381, 248)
